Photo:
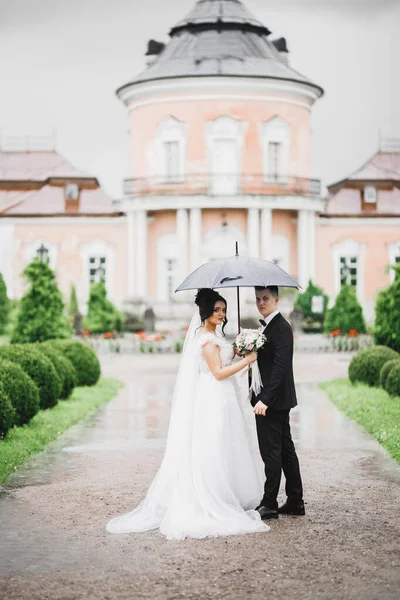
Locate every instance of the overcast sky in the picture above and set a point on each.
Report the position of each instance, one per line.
(62, 60)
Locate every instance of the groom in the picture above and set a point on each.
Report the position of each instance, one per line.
(272, 407)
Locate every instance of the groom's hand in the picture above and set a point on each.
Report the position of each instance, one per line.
(260, 408)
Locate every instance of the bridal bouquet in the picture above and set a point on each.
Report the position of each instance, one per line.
(251, 340)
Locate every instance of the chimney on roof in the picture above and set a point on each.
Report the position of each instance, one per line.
(154, 48)
(71, 198)
(282, 48)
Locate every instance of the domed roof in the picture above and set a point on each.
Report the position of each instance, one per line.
(220, 38)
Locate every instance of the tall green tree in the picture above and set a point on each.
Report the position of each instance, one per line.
(387, 315)
(347, 312)
(40, 314)
(73, 307)
(102, 314)
(304, 302)
(4, 305)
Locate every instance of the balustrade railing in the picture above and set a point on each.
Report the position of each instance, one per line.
(220, 184)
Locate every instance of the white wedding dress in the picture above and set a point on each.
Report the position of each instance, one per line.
(211, 476)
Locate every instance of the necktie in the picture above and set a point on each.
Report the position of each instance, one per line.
(263, 323)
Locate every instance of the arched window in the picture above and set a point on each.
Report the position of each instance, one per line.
(171, 140)
(168, 272)
(275, 147)
(97, 258)
(281, 251)
(224, 142)
(348, 261)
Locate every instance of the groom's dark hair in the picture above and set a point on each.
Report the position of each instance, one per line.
(272, 288)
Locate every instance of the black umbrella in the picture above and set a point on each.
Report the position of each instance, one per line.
(237, 271)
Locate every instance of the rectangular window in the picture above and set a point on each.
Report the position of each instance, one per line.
(173, 172)
(172, 268)
(348, 270)
(97, 269)
(274, 160)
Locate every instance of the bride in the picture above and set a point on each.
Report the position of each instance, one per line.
(210, 479)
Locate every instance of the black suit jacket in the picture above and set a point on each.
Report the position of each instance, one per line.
(275, 362)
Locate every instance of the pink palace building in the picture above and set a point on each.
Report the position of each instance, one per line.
(220, 145)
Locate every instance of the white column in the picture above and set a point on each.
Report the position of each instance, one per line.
(311, 247)
(182, 230)
(131, 253)
(302, 244)
(195, 238)
(253, 232)
(141, 253)
(266, 233)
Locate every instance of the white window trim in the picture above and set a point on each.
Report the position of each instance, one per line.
(96, 247)
(275, 130)
(30, 251)
(393, 252)
(171, 130)
(350, 248)
(370, 194)
(225, 128)
(220, 241)
(167, 248)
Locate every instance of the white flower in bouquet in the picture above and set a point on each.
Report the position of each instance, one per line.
(251, 340)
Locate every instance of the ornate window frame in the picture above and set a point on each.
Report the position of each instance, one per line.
(276, 130)
(97, 248)
(171, 130)
(350, 248)
(224, 127)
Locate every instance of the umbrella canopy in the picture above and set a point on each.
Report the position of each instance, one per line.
(237, 271)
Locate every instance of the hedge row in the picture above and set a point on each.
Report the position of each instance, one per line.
(36, 376)
(377, 366)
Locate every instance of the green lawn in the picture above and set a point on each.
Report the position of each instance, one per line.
(370, 407)
(21, 442)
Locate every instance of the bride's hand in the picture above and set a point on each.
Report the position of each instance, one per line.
(250, 358)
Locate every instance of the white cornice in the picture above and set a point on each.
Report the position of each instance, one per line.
(218, 88)
(354, 221)
(158, 203)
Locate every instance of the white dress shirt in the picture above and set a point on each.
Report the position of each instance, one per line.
(269, 319)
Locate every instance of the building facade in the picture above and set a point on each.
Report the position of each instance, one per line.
(220, 153)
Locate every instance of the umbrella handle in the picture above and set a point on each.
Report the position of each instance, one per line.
(238, 307)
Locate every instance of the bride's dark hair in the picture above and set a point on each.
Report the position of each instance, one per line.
(205, 300)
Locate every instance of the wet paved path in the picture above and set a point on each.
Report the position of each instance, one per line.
(52, 516)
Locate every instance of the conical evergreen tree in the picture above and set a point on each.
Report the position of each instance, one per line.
(41, 310)
(4, 305)
(102, 314)
(73, 308)
(346, 314)
(387, 315)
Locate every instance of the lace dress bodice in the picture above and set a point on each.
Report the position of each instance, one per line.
(226, 350)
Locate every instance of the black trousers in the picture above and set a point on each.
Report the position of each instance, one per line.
(278, 453)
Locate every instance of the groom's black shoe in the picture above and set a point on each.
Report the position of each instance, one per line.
(292, 509)
(267, 513)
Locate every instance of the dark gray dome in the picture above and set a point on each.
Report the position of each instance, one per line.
(220, 38)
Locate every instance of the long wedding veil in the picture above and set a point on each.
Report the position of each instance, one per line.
(175, 466)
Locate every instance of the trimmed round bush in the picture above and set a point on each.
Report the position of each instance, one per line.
(39, 368)
(387, 367)
(7, 412)
(22, 391)
(85, 361)
(367, 364)
(64, 367)
(393, 381)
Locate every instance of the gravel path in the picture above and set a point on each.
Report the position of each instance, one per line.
(53, 512)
